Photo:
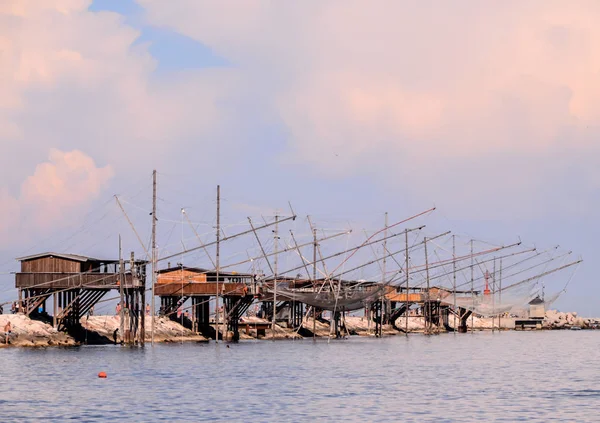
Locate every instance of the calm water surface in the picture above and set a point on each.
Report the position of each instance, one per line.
(503, 377)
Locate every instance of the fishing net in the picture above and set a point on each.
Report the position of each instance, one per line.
(347, 299)
(513, 300)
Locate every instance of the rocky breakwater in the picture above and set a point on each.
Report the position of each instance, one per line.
(354, 325)
(102, 329)
(249, 329)
(566, 320)
(26, 332)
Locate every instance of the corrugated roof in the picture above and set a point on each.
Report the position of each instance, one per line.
(73, 257)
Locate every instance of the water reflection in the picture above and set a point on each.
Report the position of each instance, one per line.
(510, 376)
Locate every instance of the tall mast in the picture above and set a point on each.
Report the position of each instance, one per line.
(472, 287)
(454, 277)
(154, 270)
(494, 295)
(276, 250)
(500, 292)
(406, 271)
(383, 268)
(314, 280)
(121, 293)
(142, 299)
(427, 298)
(218, 262)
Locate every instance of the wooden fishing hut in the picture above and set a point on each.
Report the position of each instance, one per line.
(400, 300)
(175, 285)
(76, 283)
(435, 310)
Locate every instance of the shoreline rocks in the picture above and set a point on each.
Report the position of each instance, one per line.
(561, 320)
(32, 333)
(99, 329)
(165, 330)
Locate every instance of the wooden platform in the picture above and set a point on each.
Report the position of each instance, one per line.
(260, 327)
(200, 288)
(402, 297)
(52, 280)
(521, 324)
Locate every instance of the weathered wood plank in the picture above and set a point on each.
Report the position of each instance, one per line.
(71, 280)
(207, 288)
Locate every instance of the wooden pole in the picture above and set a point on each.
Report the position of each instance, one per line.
(225, 238)
(314, 281)
(500, 293)
(454, 277)
(494, 295)
(321, 258)
(121, 290)
(276, 250)
(142, 299)
(392, 254)
(55, 310)
(154, 258)
(427, 298)
(131, 224)
(294, 317)
(472, 287)
(262, 249)
(218, 262)
(383, 276)
(407, 280)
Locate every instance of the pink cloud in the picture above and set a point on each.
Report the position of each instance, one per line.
(71, 78)
(54, 195)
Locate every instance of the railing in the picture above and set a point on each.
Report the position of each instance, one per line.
(205, 288)
(72, 280)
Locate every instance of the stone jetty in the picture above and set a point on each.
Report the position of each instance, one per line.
(559, 320)
(95, 330)
(26, 332)
(165, 330)
(100, 329)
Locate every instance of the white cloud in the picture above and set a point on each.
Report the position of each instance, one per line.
(71, 78)
(461, 104)
(493, 99)
(74, 80)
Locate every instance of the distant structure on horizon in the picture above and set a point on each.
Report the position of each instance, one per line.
(537, 308)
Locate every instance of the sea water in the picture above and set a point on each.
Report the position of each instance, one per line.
(483, 377)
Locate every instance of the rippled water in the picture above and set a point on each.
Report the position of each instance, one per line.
(509, 376)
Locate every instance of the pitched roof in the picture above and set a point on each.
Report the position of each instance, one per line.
(536, 300)
(189, 269)
(73, 257)
(201, 270)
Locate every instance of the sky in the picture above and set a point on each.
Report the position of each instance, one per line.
(490, 111)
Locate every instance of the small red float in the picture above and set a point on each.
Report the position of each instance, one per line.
(102, 375)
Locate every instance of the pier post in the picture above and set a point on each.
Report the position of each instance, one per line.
(54, 310)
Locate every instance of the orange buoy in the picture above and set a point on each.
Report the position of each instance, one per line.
(102, 375)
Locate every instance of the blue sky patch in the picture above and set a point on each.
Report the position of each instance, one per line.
(172, 50)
